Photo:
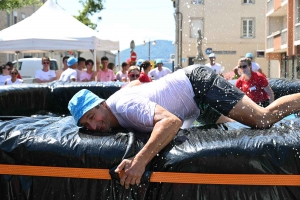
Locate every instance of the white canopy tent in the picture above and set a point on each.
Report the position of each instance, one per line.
(49, 29)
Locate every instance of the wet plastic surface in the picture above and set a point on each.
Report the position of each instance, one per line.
(55, 141)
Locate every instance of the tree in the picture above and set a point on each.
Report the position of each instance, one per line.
(90, 7)
(10, 5)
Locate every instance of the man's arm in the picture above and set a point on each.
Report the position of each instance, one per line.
(166, 126)
(46, 81)
(270, 92)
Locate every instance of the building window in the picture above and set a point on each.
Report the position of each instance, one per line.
(23, 16)
(195, 25)
(197, 2)
(15, 17)
(248, 2)
(248, 28)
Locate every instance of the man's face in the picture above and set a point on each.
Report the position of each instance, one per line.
(65, 62)
(96, 119)
(89, 66)
(104, 63)
(159, 65)
(81, 65)
(212, 59)
(46, 63)
(250, 58)
(244, 68)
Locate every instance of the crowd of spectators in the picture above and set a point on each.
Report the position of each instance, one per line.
(251, 79)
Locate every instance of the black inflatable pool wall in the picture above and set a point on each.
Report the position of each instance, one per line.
(57, 141)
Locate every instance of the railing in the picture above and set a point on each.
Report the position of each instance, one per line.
(283, 36)
(270, 42)
(297, 31)
(270, 5)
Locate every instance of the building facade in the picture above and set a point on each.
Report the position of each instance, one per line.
(283, 38)
(230, 30)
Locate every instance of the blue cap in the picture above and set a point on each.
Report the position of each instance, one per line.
(81, 102)
(212, 55)
(139, 62)
(71, 61)
(249, 55)
(159, 61)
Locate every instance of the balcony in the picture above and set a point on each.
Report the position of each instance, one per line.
(283, 37)
(276, 10)
(277, 41)
(270, 44)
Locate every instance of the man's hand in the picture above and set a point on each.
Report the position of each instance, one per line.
(166, 125)
(133, 171)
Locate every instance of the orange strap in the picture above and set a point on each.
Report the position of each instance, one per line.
(168, 177)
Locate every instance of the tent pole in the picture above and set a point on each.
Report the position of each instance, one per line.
(17, 55)
(119, 60)
(95, 64)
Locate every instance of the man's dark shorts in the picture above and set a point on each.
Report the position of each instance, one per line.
(213, 94)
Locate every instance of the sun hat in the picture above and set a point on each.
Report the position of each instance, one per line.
(71, 61)
(81, 102)
(159, 61)
(139, 62)
(212, 55)
(249, 55)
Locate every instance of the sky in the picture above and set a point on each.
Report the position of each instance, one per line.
(126, 20)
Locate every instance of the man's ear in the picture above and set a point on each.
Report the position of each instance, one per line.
(104, 104)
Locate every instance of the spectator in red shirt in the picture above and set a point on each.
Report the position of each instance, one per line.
(146, 66)
(254, 84)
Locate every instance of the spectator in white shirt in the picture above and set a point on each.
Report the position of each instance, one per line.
(4, 74)
(159, 71)
(65, 66)
(45, 75)
(70, 74)
(215, 66)
(14, 78)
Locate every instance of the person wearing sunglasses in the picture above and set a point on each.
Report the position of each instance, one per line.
(45, 75)
(133, 73)
(254, 66)
(14, 78)
(254, 84)
(11, 66)
(5, 74)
